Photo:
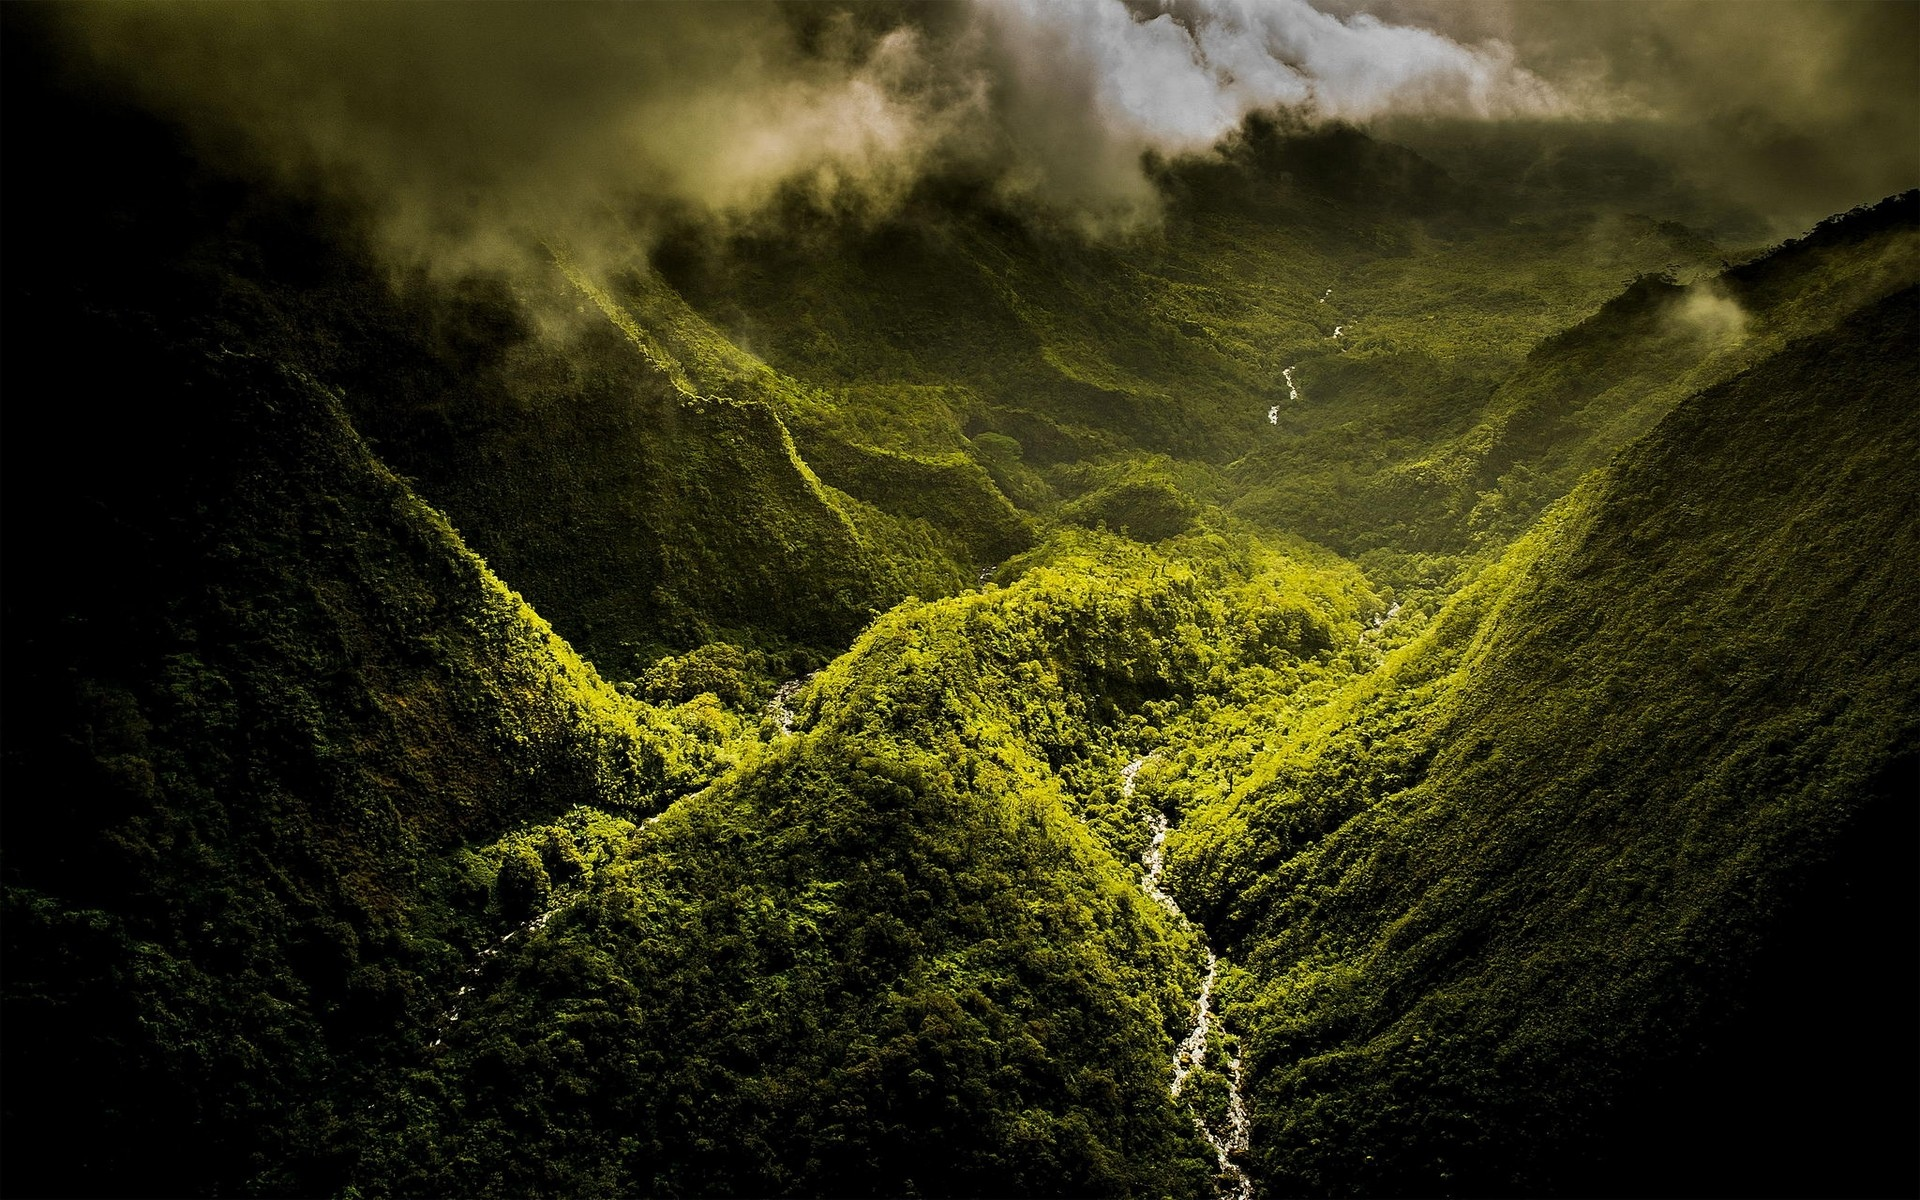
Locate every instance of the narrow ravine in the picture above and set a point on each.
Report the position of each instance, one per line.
(1380, 622)
(451, 1017)
(778, 708)
(1190, 1055)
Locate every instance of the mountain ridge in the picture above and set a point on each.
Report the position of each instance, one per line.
(920, 575)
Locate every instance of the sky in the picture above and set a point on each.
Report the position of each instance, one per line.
(466, 127)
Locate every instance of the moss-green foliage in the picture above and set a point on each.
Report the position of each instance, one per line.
(1161, 640)
(1579, 396)
(888, 954)
(731, 675)
(331, 867)
(1005, 459)
(249, 736)
(1145, 506)
(1546, 844)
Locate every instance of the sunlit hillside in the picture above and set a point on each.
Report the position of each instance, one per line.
(829, 600)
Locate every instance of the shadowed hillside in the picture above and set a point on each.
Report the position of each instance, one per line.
(1373, 679)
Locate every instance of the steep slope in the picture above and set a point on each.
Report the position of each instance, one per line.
(1557, 861)
(1577, 397)
(255, 689)
(641, 486)
(900, 950)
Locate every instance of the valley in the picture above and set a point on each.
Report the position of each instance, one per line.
(1394, 677)
(1191, 1052)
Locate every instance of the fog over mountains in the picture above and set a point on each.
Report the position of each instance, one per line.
(1192, 599)
(507, 121)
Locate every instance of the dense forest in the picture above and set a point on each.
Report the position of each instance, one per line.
(1397, 676)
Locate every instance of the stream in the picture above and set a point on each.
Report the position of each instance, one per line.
(452, 1017)
(778, 708)
(1191, 1053)
(1293, 395)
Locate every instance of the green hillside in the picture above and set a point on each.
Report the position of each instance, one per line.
(245, 729)
(1593, 795)
(1393, 678)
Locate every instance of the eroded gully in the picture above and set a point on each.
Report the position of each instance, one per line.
(1190, 1055)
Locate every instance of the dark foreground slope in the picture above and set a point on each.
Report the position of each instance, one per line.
(255, 690)
(1621, 898)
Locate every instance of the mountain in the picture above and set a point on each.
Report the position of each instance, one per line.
(260, 695)
(1567, 906)
(308, 769)
(1392, 681)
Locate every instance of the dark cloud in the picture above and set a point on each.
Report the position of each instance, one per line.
(469, 125)
(1798, 108)
(473, 129)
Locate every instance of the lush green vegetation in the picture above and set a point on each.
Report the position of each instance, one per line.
(1534, 696)
(236, 747)
(901, 946)
(1490, 922)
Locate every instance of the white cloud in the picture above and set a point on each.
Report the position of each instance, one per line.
(466, 123)
(1176, 81)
